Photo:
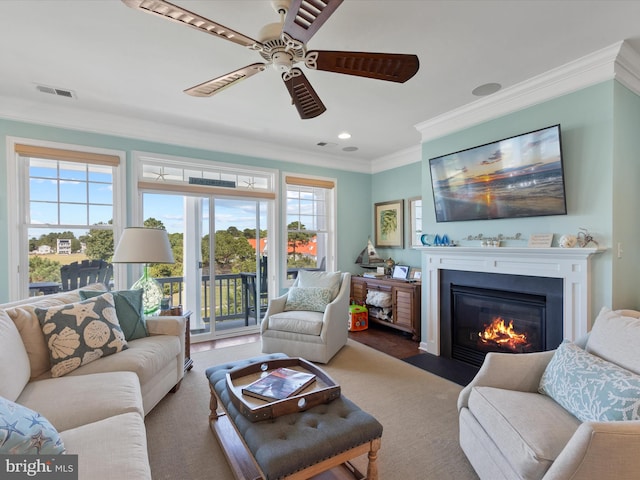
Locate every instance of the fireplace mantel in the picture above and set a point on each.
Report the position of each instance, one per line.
(570, 264)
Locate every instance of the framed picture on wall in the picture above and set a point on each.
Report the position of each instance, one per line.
(389, 224)
(415, 221)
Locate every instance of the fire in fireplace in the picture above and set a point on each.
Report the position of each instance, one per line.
(483, 313)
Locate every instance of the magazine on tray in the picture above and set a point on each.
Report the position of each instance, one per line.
(279, 384)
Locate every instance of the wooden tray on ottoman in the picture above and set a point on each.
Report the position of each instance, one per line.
(323, 390)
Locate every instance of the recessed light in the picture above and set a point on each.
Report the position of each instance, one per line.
(486, 89)
(344, 136)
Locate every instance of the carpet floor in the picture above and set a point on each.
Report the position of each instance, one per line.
(416, 408)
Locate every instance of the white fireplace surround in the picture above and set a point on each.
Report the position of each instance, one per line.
(570, 264)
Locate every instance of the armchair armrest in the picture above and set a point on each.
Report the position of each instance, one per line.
(599, 450)
(276, 305)
(520, 372)
(166, 325)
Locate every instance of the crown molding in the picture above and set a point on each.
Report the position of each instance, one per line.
(397, 159)
(62, 116)
(619, 61)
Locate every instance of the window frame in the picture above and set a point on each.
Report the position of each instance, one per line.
(18, 186)
(314, 181)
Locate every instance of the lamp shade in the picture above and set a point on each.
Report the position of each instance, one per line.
(143, 245)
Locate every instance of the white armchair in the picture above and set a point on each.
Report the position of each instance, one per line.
(313, 335)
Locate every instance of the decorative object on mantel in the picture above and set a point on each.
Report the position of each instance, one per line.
(567, 241)
(540, 240)
(490, 243)
(437, 241)
(585, 238)
(500, 238)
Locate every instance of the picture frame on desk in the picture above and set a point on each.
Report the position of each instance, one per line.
(400, 272)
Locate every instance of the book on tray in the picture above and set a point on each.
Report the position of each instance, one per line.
(279, 384)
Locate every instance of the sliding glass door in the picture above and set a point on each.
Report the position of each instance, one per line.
(221, 251)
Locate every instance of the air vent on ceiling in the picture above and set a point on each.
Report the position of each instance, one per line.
(326, 144)
(62, 92)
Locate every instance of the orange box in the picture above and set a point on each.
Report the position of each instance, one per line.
(358, 318)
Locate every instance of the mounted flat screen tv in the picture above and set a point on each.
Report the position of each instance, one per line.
(520, 176)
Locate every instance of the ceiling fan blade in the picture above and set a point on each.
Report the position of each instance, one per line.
(216, 85)
(305, 17)
(303, 95)
(183, 16)
(393, 67)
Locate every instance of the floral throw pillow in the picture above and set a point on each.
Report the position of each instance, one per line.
(313, 299)
(25, 432)
(79, 333)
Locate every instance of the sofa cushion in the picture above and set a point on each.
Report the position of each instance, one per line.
(307, 323)
(314, 299)
(330, 280)
(615, 336)
(79, 333)
(71, 401)
(26, 432)
(14, 362)
(589, 387)
(528, 428)
(129, 310)
(111, 449)
(145, 357)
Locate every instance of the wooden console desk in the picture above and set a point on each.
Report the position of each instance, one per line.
(406, 300)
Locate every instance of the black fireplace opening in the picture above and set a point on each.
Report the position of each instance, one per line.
(486, 312)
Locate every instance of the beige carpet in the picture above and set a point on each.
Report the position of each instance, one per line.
(417, 410)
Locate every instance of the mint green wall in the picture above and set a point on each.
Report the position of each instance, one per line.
(600, 145)
(626, 198)
(399, 183)
(354, 189)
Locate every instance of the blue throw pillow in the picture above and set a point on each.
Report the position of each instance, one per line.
(25, 432)
(129, 310)
(79, 333)
(589, 387)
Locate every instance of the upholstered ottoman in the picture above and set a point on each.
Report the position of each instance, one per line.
(295, 446)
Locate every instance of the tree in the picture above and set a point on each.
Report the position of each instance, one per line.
(297, 237)
(154, 223)
(43, 269)
(100, 244)
(231, 252)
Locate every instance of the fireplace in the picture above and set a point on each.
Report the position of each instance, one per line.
(570, 266)
(487, 312)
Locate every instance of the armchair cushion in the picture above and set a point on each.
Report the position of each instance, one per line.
(79, 333)
(330, 280)
(314, 299)
(591, 388)
(308, 323)
(129, 310)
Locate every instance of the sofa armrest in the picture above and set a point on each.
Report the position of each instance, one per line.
(599, 450)
(166, 325)
(520, 372)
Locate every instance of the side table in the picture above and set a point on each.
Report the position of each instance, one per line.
(188, 362)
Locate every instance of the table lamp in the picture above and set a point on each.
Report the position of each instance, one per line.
(145, 245)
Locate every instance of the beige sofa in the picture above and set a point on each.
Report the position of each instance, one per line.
(99, 408)
(573, 413)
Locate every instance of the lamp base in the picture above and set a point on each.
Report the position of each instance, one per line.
(151, 292)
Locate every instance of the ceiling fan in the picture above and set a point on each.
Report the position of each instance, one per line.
(283, 45)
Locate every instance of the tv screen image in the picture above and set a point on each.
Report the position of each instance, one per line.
(520, 176)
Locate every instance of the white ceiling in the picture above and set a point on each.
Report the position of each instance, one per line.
(129, 69)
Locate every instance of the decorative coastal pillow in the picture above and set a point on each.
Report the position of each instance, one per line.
(129, 310)
(79, 333)
(314, 299)
(330, 280)
(25, 432)
(589, 387)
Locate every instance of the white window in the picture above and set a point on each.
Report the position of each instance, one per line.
(65, 198)
(310, 240)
